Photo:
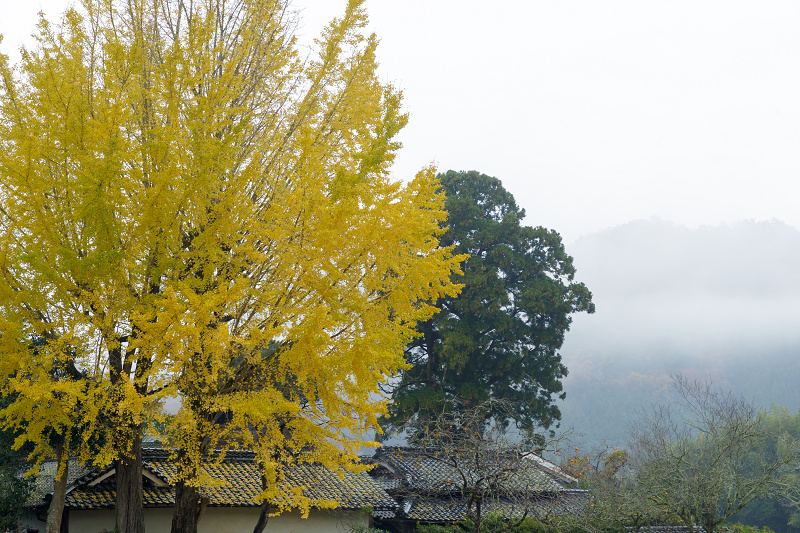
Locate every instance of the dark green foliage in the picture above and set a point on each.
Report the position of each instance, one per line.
(740, 528)
(773, 513)
(498, 525)
(13, 494)
(776, 512)
(14, 490)
(500, 337)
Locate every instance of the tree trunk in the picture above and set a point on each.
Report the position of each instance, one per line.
(477, 524)
(130, 496)
(187, 508)
(56, 510)
(263, 516)
(709, 521)
(688, 521)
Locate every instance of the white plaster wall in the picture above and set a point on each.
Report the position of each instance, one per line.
(92, 521)
(232, 520)
(224, 520)
(29, 521)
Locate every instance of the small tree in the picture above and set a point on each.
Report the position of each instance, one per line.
(618, 500)
(53, 418)
(490, 470)
(702, 462)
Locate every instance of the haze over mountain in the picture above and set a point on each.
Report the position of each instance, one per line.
(719, 300)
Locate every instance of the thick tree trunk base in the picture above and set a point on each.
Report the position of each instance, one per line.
(188, 508)
(56, 510)
(130, 491)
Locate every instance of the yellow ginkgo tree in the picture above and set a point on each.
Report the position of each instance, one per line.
(192, 208)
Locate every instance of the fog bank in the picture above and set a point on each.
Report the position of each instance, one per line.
(717, 300)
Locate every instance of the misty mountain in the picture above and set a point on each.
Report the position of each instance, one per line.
(718, 300)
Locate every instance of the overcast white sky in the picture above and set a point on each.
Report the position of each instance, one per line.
(592, 113)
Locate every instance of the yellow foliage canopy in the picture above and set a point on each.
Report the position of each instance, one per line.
(189, 209)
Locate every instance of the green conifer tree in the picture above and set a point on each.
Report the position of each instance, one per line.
(499, 338)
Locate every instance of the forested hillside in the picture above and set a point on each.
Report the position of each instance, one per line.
(722, 300)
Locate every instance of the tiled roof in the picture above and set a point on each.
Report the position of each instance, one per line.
(572, 502)
(432, 470)
(104, 497)
(241, 485)
(451, 509)
(430, 485)
(44, 481)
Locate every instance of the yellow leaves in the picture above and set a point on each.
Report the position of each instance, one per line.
(220, 230)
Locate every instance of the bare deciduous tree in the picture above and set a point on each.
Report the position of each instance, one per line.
(701, 461)
(617, 500)
(486, 469)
